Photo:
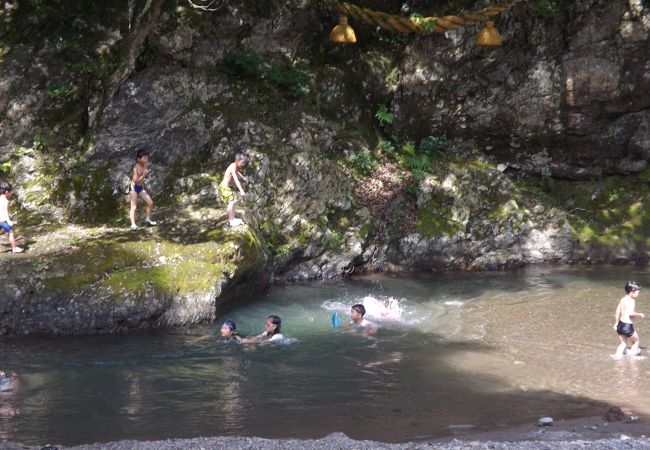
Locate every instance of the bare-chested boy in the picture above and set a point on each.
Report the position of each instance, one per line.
(625, 313)
(139, 172)
(231, 176)
(357, 313)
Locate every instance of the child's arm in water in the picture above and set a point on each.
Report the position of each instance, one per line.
(254, 339)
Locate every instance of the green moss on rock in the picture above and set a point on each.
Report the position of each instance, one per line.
(435, 220)
(184, 278)
(127, 266)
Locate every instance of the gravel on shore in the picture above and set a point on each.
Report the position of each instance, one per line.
(589, 433)
(336, 441)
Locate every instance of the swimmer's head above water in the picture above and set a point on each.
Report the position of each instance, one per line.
(272, 325)
(228, 329)
(357, 312)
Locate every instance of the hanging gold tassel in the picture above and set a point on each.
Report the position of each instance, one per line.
(489, 36)
(343, 33)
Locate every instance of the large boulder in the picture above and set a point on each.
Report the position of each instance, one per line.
(121, 283)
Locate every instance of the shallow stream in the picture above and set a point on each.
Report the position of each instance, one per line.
(457, 352)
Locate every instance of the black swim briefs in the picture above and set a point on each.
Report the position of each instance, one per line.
(625, 328)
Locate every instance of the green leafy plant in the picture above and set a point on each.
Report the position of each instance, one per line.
(278, 251)
(419, 166)
(324, 99)
(387, 147)
(5, 168)
(336, 239)
(393, 76)
(384, 116)
(88, 68)
(41, 7)
(362, 162)
(545, 8)
(433, 146)
(409, 149)
(148, 56)
(73, 163)
(293, 80)
(428, 26)
(59, 91)
(292, 77)
(615, 195)
(38, 143)
(243, 65)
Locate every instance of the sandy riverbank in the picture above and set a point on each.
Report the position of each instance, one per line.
(586, 433)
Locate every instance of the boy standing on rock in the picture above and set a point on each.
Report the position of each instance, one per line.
(6, 224)
(139, 172)
(230, 176)
(625, 312)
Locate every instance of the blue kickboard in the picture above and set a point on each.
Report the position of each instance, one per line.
(335, 320)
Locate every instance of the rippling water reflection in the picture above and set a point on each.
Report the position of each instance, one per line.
(468, 351)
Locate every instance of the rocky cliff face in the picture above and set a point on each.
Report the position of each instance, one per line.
(402, 153)
(566, 95)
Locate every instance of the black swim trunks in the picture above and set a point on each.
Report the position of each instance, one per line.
(625, 328)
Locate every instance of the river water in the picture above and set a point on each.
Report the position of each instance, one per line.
(457, 352)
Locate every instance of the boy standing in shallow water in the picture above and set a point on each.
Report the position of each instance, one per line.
(6, 224)
(230, 176)
(139, 172)
(625, 313)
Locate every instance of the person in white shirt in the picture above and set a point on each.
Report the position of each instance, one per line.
(6, 224)
(271, 332)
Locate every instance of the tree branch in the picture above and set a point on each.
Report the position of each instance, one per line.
(212, 6)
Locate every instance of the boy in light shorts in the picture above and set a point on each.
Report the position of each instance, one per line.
(231, 176)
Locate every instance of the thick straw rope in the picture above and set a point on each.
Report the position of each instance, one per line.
(422, 25)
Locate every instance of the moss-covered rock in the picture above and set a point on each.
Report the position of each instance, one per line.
(119, 282)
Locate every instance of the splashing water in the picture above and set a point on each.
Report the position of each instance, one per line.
(452, 352)
(378, 308)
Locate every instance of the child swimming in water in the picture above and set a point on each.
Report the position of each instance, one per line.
(356, 314)
(625, 313)
(271, 332)
(229, 332)
(8, 381)
(382, 309)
